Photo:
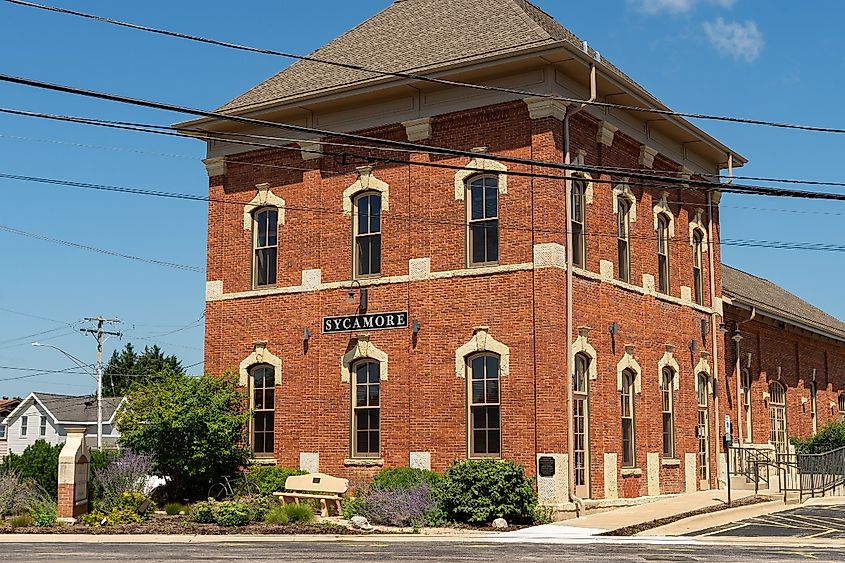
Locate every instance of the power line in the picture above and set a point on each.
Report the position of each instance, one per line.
(423, 78)
(69, 244)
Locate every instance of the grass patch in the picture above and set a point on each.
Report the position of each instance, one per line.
(174, 508)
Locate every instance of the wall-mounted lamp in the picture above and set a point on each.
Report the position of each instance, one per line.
(614, 328)
(705, 329)
(361, 297)
(306, 334)
(416, 326)
(693, 345)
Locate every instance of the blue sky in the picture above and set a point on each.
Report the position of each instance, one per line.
(776, 61)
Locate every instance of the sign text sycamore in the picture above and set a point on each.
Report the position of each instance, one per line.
(374, 321)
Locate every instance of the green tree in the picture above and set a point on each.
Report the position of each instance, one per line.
(118, 377)
(38, 462)
(194, 427)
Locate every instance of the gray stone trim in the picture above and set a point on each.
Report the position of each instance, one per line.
(697, 223)
(541, 107)
(662, 207)
(480, 165)
(363, 348)
(647, 155)
(624, 190)
(418, 129)
(605, 133)
(629, 362)
(213, 290)
(311, 150)
(581, 345)
(264, 198)
(668, 359)
(481, 341)
(549, 255)
(366, 182)
(215, 166)
(363, 462)
(260, 355)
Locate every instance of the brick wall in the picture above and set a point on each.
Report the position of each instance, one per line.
(423, 403)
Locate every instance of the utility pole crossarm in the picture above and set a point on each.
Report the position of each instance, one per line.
(99, 332)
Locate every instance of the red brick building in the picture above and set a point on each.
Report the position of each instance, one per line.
(403, 308)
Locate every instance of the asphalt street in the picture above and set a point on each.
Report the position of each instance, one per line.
(406, 551)
(809, 522)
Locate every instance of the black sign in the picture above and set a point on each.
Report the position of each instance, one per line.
(547, 466)
(373, 321)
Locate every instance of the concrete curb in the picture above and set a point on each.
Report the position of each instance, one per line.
(701, 522)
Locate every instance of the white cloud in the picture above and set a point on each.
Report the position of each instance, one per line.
(742, 41)
(675, 6)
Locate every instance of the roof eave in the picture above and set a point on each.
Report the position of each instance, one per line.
(741, 302)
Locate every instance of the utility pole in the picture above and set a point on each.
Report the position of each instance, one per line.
(99, 333)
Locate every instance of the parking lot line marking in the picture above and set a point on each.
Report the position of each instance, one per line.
(811, 521)
(716, 532)
(821, 534)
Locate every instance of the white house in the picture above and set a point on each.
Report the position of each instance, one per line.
(46, 416)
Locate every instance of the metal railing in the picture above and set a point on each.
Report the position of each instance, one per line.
(753, 463)
(811, 474)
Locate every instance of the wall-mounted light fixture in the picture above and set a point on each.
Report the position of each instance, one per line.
(416, 326)
(361, 296)
(705, 329)
(693, 345)
(306, 334)
(614, 328)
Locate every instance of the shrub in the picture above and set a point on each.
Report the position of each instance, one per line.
(131, 502)
(203, 512)
(277, 515)
(123, 516)
(125, 474)
(44, 514)
(299, 512)
(39, 462)
(94, 518)
(174, 508)
(404, 478)
(193, 427)
(399, 506)
(268, 479)
(830, 437)
(22, 521)
(259, 504)
(233, 513)
(352, 506)
(16, 494)
(479, 491)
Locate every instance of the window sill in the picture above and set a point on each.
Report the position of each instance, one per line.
(263, 461)
(364, 462)
(670, 462)
(632, 472)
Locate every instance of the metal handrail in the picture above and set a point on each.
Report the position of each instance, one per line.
(811, 474)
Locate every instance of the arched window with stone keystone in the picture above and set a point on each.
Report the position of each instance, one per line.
(260, 373)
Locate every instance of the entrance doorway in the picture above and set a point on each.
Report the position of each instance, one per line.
(703, 431)
(581, 425)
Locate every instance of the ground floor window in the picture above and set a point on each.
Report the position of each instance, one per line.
(777, 415)
(366, 409)
(263, 381)
(628, 445)
(485, 432)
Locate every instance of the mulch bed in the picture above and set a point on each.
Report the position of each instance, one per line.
(637, 528)
(180, 525)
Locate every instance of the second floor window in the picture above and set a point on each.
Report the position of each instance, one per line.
(42, 430)
(579, 224)
(697, 269)
(841, 401)
(24, 425)
(623, 238)
(266, 245)
(367, 234)
(483, 220)
(662, 253)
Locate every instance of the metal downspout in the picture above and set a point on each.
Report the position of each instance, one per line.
(570, 359)
(713, 331)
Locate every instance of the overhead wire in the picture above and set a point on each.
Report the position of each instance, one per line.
(431, 79)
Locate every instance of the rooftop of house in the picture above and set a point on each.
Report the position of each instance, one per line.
(776, 302)
(75, 409)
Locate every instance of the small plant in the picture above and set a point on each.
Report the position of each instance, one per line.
(125, 474)
(259, 504)
(299, 512)
(16, 494)
(352, 506)
(404, 478)
(399, 507)
(174, 508)
(479, 491)
(44, 514)
(277, 515)
(123, 516)
(266, 480)
(132, 501)
(203, 512)
(233, 513)
(22, 521)
(39, 463)
(92, 519)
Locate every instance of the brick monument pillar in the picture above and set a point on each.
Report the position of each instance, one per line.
(73, 476)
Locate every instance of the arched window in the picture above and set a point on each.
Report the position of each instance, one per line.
(580, 418)
(663, 253)
(623, 237)
(697, 270)
(485, 431)
(483, 220)
(841, 404)
(265, 243)
(263, 396)
(667, 392)
(366, 409)
(777, 415)
(578, 209)
(746, 405)
(367, 235)
(703, 426)
(628, 439)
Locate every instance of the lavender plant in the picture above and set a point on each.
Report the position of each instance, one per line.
(125, 474)
(399, 506)
(16, 494)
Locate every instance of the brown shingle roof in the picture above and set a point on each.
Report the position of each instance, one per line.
(775, 300)
(414, 36)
